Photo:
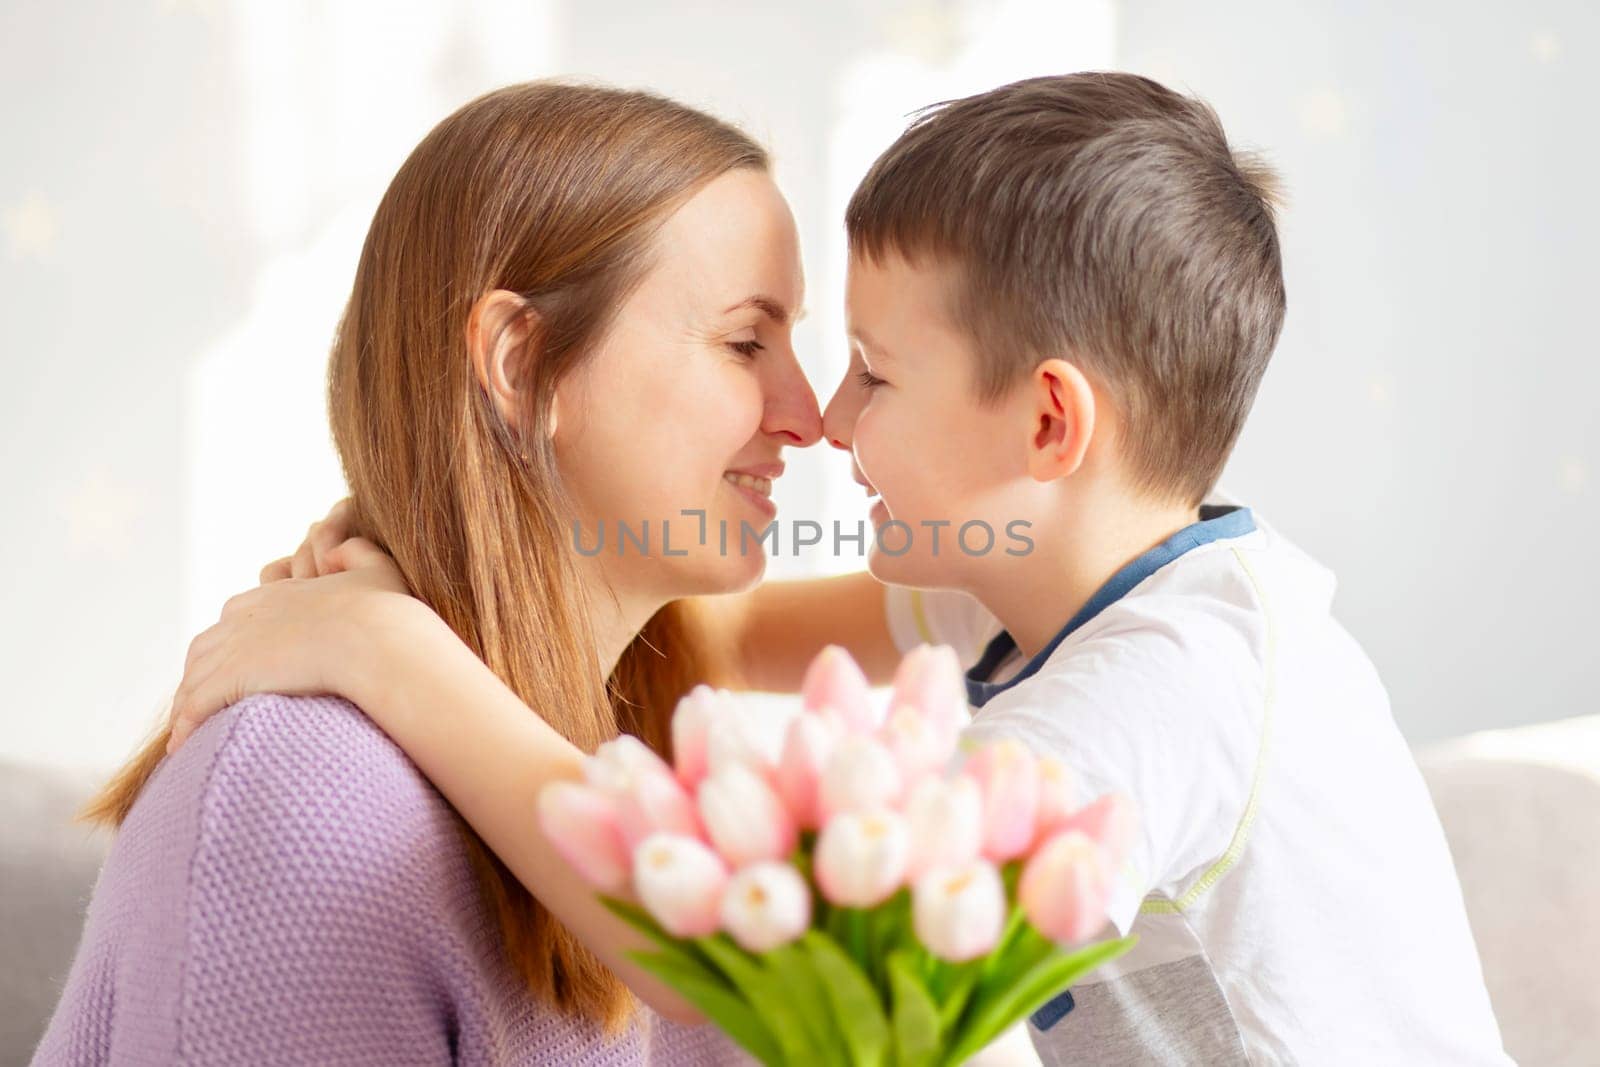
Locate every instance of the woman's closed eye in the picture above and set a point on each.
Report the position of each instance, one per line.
(746, 348)
(868, 380)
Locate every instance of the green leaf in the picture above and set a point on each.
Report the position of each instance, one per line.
(916, 1019)
(855, 937)
(1017, 940)
(855, 1003)
(683, 953)
(637, 918)
(642, 921)
(999, 1004)
(721, 1004)
(769, 993)
(690, 970)
(890, 925)
(810, 997)
(955, 984)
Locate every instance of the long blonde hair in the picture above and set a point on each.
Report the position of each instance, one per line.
(554, 192)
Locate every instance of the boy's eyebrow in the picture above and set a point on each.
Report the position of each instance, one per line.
(770, 307)
(866, 341)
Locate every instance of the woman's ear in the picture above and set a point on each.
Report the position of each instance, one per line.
(500, 333)
(1062, 419)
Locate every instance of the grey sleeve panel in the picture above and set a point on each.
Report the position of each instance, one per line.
(1172, 1014)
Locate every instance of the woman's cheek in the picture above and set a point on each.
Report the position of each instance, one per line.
(746, 406)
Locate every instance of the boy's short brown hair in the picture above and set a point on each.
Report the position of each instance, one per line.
(1103, 218)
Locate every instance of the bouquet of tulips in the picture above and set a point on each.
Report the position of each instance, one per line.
(846, 896)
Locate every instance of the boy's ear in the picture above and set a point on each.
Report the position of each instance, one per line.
(500, 336)
(1063, 410)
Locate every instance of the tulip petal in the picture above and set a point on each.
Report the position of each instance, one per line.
(834, 682)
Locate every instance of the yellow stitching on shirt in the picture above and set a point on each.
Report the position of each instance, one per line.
(1241, 833)
(1159, 906)
(921, 619)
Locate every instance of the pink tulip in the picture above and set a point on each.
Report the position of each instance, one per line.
(744, 817)
(1111, 822)
(945, 819)
(930, 679)
(861, 857)
(581, 822)
(680, 882)
(1065, 887)
(958, 913)
(807, 744)
(860, 775)
(918, 744)
(696, 717)
(1008, 777)
(1058, 797)
(834, 685)
(766, 905)
(647, 796)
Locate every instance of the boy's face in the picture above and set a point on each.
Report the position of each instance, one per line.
(908, 411)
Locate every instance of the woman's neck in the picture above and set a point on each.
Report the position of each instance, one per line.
(615, 616)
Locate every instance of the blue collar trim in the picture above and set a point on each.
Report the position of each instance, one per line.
(1217, 522)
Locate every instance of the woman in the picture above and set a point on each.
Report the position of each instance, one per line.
(573, 309)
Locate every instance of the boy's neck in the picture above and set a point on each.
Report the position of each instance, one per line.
(1036, 597)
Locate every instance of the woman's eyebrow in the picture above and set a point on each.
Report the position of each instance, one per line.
(773, 309)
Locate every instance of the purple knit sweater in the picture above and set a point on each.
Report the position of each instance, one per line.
(289, 889)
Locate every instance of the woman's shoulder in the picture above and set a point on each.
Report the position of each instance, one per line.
(320, 747)
(311, 780)
(287, 873)
(302, 799)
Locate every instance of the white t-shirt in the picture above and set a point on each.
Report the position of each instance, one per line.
(1291, 886)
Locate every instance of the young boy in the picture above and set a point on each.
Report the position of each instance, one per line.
(1062, 296)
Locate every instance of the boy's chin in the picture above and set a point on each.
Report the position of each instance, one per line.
(903, 570)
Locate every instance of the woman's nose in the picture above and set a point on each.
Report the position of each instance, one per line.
(792, 410)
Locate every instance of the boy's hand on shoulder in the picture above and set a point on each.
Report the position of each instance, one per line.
(299, 636)
(318, 553)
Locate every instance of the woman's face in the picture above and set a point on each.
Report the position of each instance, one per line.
(695, 382)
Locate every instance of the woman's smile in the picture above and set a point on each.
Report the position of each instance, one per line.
(753, 488)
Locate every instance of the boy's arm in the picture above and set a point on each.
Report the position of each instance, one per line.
(483, 749)
(777, 628)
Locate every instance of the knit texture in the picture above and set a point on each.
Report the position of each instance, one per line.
(289, 889)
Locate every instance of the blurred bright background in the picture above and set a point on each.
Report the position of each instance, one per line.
(185, 186)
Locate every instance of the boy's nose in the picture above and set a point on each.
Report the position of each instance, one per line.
(838, 421)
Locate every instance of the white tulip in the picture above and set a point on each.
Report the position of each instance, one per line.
(680, 882)
(945, 817)
(861, 857)
(766, 905)
(959, 912)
